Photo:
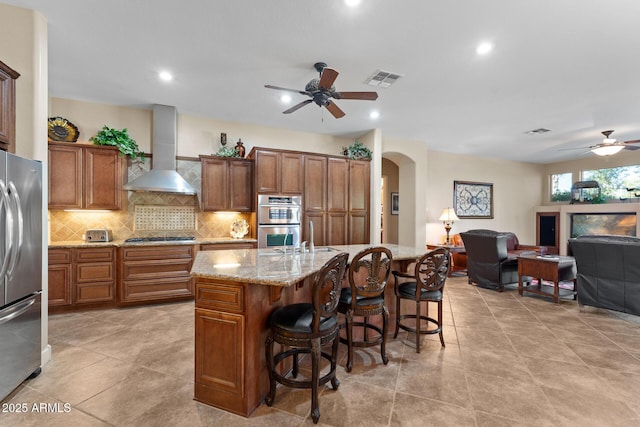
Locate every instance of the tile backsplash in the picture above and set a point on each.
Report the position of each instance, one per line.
(181, 213)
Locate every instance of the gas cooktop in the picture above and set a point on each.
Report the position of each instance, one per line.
(159, 239)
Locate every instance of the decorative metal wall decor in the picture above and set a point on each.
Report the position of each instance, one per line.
(473, 199)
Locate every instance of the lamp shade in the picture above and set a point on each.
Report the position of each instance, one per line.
(448, 215)
(607, 149)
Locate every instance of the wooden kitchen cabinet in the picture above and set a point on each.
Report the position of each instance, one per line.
(227, 184)
(326, 199)
(359, 199)
(155, 273)
(85, 176)
(278, 172)
(8, 78)
(81, 278)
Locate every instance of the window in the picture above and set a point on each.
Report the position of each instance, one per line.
(561, 187)
(615, 181)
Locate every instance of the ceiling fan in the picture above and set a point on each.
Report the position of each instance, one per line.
(610, 146)
(321, 91)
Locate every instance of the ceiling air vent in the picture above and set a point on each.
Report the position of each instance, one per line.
(382, 78)
(537, 131)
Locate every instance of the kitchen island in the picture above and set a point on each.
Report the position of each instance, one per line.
(236, 291)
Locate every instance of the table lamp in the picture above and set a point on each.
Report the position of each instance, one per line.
(447, 217)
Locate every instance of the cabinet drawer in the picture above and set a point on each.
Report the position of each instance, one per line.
(220, 296)
(158, 289)
(157, 252)
(156, 269)
(95, 292)
(97, 271)
(94, 254)
(59, 256)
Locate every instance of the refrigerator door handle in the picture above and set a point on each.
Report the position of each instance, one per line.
(16, 310)
(4, 202)
(19, 228)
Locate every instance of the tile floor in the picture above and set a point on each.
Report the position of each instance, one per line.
(509, 361)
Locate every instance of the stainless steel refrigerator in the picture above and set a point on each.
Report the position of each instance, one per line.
(20, 270)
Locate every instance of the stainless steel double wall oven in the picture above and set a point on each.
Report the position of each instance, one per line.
(279, 219)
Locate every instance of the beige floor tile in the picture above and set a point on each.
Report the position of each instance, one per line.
(490, 420)
(624, 386)
(409, 410)
(500, 364)
(590, 408)
(511, 399)
(547, 347)
(566, 376)
(603, 357)
(444, 383)
(483, 339)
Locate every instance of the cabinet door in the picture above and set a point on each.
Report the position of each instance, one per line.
(240, 186)
(318, 219)
(315, 180)
(103, 176)
(215, 184)
(59, 284)
(358, 228)
(267, 164)
(219, 353)
(65, 177)
(7, 107)
(337, 228)
(337, 185)
(359, 181)
(291, 174)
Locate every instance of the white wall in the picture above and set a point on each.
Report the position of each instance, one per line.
(517, 190)
(23, 47)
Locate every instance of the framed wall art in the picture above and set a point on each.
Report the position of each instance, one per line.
(473, 199)
(395, 207)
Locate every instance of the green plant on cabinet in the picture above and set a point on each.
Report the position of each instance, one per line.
(120, 139)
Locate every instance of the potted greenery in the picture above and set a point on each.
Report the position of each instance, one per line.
(120, 139)
(357, 151)
(225, 151)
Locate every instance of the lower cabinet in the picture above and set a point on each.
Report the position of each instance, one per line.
(155, 274)
(81, 278)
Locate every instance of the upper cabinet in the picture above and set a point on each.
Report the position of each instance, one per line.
(8, 78)
(85, 176)
(278, 172)
(227, 184)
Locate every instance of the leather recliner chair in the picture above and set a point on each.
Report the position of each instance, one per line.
(492, 257)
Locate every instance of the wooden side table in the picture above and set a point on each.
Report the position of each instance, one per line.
(554, 268)
(452, 250)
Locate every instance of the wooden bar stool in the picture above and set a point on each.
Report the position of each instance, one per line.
(304, 328)
(424, 285)
(365, 297)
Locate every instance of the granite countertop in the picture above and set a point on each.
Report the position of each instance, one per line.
(120, 242)
(274, 268)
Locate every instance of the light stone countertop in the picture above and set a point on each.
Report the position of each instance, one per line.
(274, 268)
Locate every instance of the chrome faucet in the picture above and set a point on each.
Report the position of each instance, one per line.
(311, 246)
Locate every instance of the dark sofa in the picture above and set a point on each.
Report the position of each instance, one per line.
(492, 257)
(608, 271)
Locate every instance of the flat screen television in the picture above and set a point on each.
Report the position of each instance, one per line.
(620, 224)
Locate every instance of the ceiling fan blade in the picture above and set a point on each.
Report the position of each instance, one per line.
(632, 147)
(297, 106)
(633, 141)
(335, 110)
(302, 92)
(368, 96)
(327, 78)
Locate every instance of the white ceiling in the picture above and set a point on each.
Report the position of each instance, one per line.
(571, 66)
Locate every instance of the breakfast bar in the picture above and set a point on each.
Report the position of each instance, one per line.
(236, 291)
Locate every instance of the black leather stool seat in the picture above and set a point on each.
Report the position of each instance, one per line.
(408, 290)
(297, 318)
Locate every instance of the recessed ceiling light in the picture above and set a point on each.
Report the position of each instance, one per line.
(352, 3)
(285, 99)
(484, 48)
(374, 115)
(165, 76)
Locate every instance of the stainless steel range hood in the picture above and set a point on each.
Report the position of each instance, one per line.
(163, 176)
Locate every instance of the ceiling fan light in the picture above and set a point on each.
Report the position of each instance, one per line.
(607, 150)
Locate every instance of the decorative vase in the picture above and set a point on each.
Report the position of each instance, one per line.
(240, 148)
(239, 228)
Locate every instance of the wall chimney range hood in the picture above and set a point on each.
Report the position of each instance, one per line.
(163, 176)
